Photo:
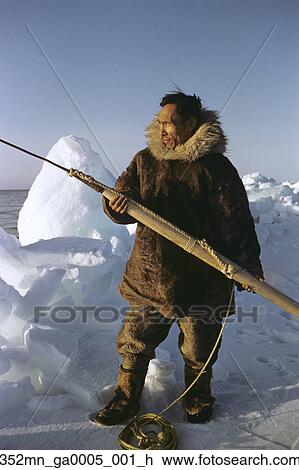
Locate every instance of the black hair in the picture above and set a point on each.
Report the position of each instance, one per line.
(188, 106)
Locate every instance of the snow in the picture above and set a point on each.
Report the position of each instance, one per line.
(58, 205)
(15, 394)
(60, 313)
(269, 199)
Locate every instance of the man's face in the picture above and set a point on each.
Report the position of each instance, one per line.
(173, 130)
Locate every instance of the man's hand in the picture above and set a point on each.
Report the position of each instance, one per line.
(247, 287)
(119, 204)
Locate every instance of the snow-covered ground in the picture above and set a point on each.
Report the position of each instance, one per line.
(59, 319)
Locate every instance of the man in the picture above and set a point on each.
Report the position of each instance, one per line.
(183, 176)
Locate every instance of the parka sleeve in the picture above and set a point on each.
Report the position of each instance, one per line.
(128, 184)
(230, 206)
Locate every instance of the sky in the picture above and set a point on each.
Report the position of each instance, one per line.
(98, 69)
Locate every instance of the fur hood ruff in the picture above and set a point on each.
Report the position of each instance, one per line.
(208, 138)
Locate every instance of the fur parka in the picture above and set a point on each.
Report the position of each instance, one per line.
(198, 189)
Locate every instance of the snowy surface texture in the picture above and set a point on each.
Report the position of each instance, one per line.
(58, 205)
(55, 368)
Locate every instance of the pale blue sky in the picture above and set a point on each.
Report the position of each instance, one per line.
(117, 58)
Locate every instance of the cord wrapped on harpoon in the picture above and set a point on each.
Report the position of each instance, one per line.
(199, 248)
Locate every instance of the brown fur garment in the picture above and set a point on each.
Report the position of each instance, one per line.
(198, 189)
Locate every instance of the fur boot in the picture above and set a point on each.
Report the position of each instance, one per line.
(125, 403)
(198, 402)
